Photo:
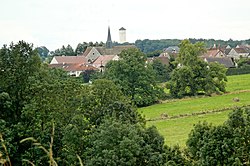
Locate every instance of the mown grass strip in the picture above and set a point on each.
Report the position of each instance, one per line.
(175, 131)
(238, 82)
(194, 105)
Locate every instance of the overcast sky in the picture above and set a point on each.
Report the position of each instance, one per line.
(53, 23)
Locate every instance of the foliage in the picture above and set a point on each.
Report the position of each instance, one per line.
(162, 71)
(226, 144)
(18, 63)
(135, 77)
(155, 53)
(42, 51)
(245, 69)
(176, 156)
(147, 46)
(86, 75)
(103, 98)
(118, 143)
(66, 51)
(194, 76)
(80, 48)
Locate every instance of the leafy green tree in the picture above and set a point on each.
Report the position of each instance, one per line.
(80, 48)
(69, 51)
(135, 77)
(53, 99)
(227, 144)
(103, 98)
(176, 156)
(66, 51)
(155, 53)
(182, 82)
(18, 63)
(162, 71)
(42, 51)
(193, 75)
(118, 143)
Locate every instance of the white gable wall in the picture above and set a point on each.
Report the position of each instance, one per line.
(54, 61)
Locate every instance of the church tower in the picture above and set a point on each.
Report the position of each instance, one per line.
(109, 41)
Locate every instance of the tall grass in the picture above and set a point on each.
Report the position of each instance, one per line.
(4, 156)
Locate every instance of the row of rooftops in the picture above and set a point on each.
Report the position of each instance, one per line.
(94, 58)
(91, 60)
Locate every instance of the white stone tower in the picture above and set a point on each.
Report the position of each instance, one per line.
(122, 35)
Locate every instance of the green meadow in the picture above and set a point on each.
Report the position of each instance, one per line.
(175, 131)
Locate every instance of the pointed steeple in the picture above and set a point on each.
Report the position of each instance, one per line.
(109, 41)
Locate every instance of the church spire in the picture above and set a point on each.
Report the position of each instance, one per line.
(109, 41)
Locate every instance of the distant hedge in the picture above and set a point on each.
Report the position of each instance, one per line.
(238, 71)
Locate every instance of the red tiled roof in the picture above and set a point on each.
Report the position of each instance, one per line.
(163, 60)
(240, 50)
(103, 60)
(71, 59)
(212, 52)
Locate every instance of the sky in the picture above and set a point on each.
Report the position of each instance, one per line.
(53, 23)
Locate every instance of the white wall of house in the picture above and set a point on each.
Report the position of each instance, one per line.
(236, 55)
(233, 54)
(220, 54)
(54, 61)
(75, 73)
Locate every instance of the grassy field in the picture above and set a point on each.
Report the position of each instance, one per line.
(238, 82)
(175, 131)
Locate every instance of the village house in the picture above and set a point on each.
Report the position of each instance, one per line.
(74, 69)
(74, 65)
(238, 53)
(214, 52)
(226, 61)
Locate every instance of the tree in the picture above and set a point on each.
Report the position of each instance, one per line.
(162, 71)
(103, 98)
(18, 63)
(64, 51)
(42, 51)
(80, 48)
(194, 76)
(69, 51)
(226, 144)
(118, 143)
(135, 77)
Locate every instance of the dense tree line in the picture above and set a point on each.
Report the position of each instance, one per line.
(47, 117)
(149, 46)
